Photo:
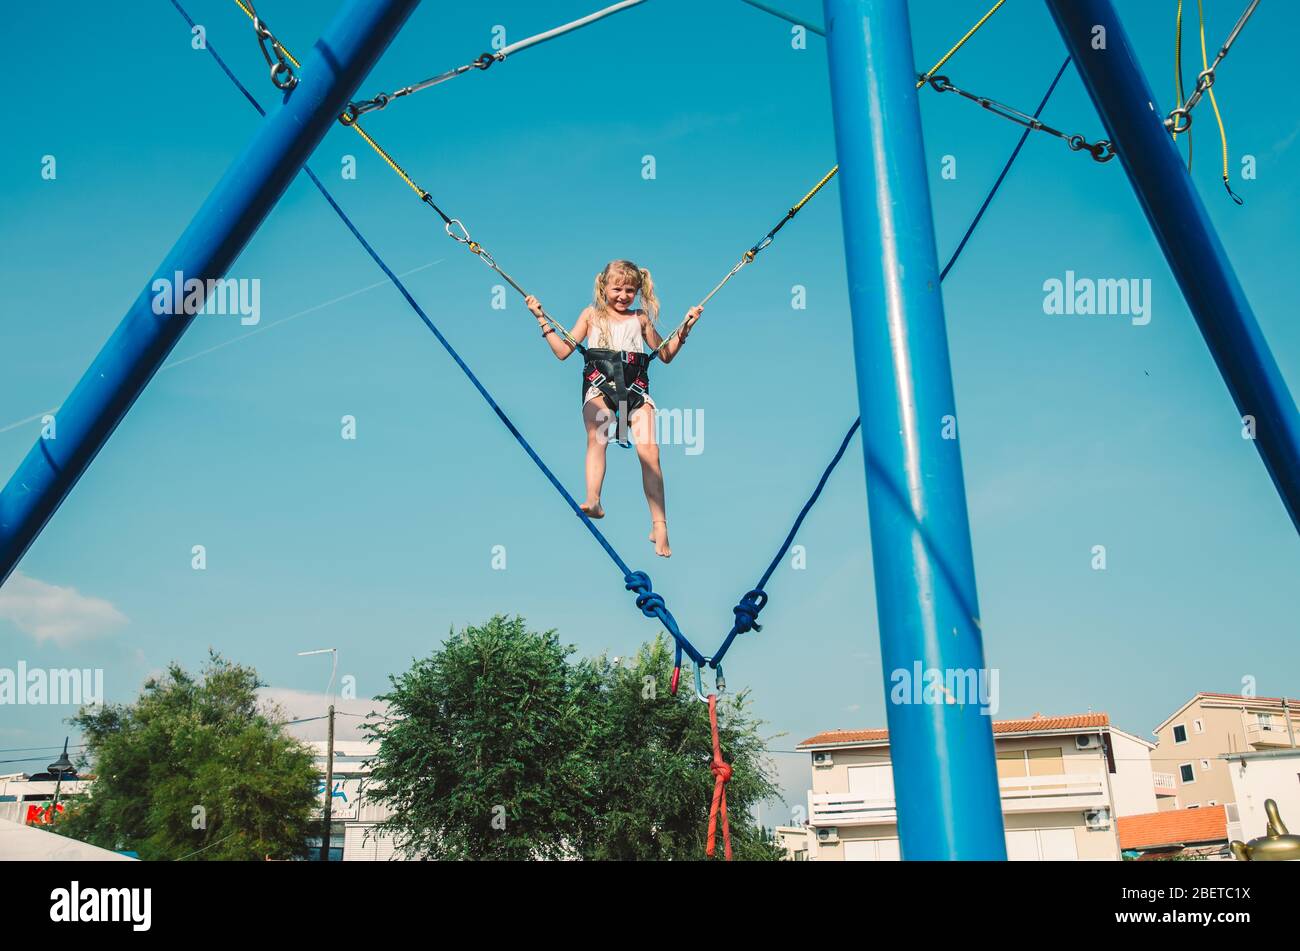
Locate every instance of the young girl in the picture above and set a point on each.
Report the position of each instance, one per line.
(616, 381)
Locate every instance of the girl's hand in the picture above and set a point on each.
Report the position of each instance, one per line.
(692, 316)
(535, 306)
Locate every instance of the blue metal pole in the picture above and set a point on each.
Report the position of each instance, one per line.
(1120, 91)
(330, 74)
(941, 746)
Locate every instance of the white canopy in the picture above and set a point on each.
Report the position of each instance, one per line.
(20, 843)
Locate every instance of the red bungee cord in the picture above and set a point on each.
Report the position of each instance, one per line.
(721, 775)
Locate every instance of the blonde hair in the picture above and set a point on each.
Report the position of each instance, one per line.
(631, 273)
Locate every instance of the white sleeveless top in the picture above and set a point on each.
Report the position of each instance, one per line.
(623, 334)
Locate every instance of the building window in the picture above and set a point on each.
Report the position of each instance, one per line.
(1205, 764)
(1213, 802)
(1198, 726)
(1180, 733)
(1265, 720)
(1037, 845)
(1186, 773)
(1193, 805)
(1048, 761)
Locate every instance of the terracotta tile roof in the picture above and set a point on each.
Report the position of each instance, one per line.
(1175, 827)
(1237, 696)
(1035, 724)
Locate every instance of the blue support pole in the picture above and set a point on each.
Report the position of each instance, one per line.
(330, 74)
(945, 777)
(1120, 91)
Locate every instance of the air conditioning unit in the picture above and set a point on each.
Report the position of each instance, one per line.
(1097, 818)
(1089, 741)
(828, 836)
(823, 759)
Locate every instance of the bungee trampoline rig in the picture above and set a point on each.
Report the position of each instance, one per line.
(945, 779)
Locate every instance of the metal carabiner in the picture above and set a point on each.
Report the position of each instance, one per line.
(463, 231)
(720, 682)
(762, 245)
(281, 72)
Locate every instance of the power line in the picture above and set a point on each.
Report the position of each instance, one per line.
(30, 749)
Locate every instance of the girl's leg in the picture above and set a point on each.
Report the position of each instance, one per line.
(595, 417)
(652, 477)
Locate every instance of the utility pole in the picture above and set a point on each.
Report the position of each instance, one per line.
(329, 752)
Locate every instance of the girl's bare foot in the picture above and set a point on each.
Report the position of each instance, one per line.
(593, 509)
(659, 535)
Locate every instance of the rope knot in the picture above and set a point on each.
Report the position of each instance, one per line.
(747, 611)
(647, 599)
(721, 772)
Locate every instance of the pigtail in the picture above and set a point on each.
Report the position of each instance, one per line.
(648, 299)
(600, 315)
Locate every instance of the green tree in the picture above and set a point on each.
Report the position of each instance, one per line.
(498, 746)
(652, 756)
(484, 748)
(196, 768)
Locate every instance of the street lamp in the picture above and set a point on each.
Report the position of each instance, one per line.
(329, 760)
(60, 767)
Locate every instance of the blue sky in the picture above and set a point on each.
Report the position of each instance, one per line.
(1075, 431)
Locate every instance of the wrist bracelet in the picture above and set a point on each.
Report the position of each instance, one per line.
(548, 330)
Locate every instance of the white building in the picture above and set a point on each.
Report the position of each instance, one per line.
(794, 840)
(352, 819)
(1063, 782)
(1257, 776)
(27, 800)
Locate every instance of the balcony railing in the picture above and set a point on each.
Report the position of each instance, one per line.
(1045, 793)
(841, 809)
(1066, 791)
(1165, 784)
(1276, 735)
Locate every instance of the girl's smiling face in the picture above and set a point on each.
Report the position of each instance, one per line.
(620, 291)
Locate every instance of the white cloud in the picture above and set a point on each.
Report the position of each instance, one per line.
(49, 612)
(301, 704)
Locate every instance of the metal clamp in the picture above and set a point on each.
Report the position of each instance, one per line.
(356, 110)
(1180, 120)
(1101, 151)
(282, 76)
(939, 83)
